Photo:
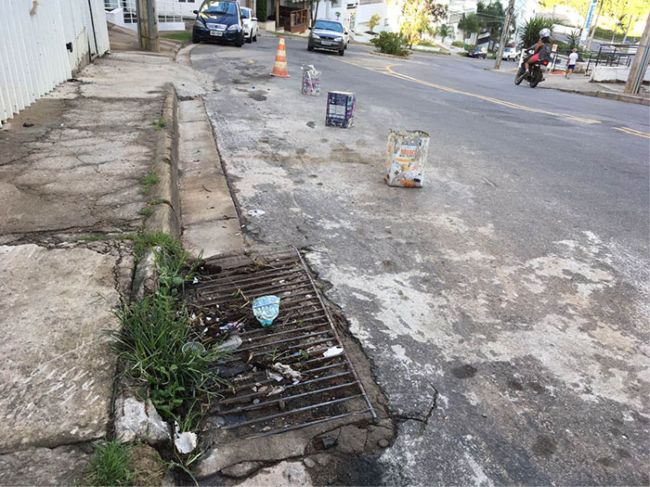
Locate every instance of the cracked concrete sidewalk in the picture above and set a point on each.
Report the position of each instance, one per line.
(71, 168)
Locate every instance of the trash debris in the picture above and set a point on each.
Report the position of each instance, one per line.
(231, 343)
(231, 327)
(195, 280)
(288, 372)
(340, 109)
(28, 124)
(256, 212)
(276, 390)
(193, 347)
(332, 352)
(184, 442)
(266, 309)
(406, 155)
(310, 80)
(274, 376)
(232, 369)
(328, 441)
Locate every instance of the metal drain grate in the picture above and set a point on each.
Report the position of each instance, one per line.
(262, 398)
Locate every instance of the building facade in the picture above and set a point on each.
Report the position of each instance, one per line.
(42, 44)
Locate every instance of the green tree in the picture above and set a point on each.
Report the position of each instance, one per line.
(374, 22)
(419, 17)
(530, 31)
(444, 31)
(573, 40)
(491, 18)
(261, 13)
(469, 24)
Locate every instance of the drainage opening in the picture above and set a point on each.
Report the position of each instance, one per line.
(293, 374)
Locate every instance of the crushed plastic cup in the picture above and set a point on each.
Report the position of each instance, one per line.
(266, 309)
(196, 348)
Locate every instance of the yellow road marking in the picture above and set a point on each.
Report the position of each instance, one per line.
(630, 131)
(389, 71)
(490, 99)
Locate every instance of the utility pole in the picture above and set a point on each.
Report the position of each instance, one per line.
(505, 33)
(148, 25)
(640, 63)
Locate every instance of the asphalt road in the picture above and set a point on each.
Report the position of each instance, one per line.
(505, 304)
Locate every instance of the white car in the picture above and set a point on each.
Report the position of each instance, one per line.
(250, 24)
(510, 54)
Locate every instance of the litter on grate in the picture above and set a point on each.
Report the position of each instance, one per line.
(292, 374)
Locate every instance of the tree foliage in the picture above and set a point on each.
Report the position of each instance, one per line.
(469, 24)
(617, 9)
(262, 14)
(491, 18)
(530, 31)
(374, 22)
(391, 43)
(420, 17)
(444, 31)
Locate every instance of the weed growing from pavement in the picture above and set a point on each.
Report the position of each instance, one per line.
(153, 348)
(149, 181)
(146, 211)
(160, 124)
(146, 240)
(110, 465)
(157, 344)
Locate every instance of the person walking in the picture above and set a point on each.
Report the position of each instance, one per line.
(571, 63)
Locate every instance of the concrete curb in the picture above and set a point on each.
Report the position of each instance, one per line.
(639, 100)
(166, 214)
(166, 211)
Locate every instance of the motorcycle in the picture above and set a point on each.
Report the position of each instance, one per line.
(534, 75)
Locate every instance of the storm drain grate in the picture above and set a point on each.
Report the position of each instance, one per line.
(288, 376)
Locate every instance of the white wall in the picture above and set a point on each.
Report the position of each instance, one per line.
(33, 54)
(612, 74)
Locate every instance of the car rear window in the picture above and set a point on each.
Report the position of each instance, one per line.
(245, 14)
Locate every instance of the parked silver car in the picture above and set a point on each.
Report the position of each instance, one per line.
(329, 35)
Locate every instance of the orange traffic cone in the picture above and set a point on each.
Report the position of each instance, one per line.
(280, 66)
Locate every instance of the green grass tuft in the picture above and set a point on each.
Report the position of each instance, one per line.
(110, 465)
(178, 36)
(146, 240)
(152, 347)
(146, 212)
(160, 124)
(152, 344)
(149, 180)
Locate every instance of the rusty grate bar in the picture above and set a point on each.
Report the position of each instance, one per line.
(257, 403)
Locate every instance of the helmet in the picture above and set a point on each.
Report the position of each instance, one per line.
(545, 33)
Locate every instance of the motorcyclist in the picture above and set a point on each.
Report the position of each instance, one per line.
(541, 49)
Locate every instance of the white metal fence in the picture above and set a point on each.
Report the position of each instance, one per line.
(42, 42)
